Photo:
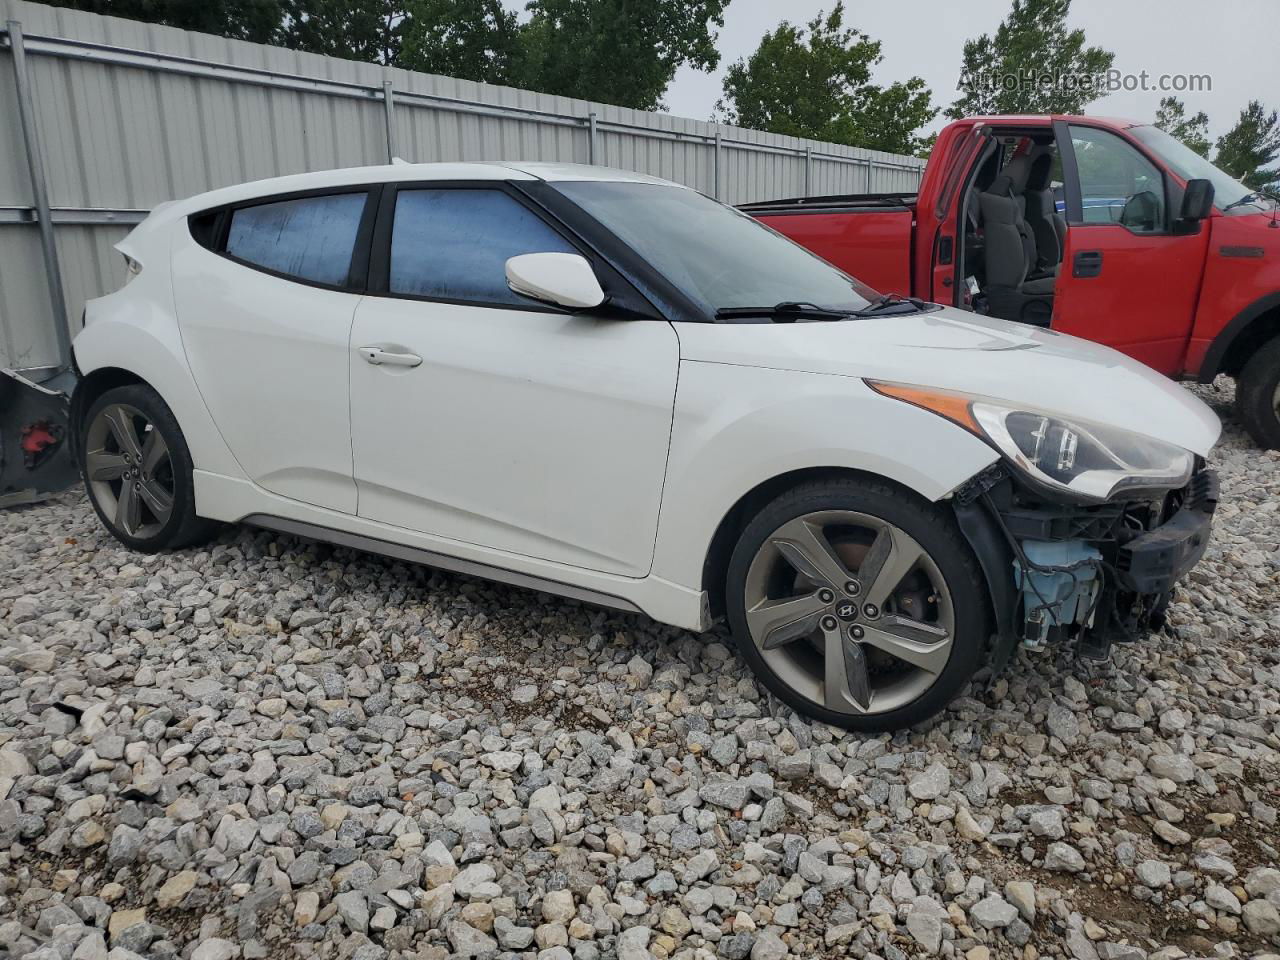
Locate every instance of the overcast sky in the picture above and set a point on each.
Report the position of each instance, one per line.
(1236, 42)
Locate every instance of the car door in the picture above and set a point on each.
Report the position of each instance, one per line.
(1128, 278)
(265, 303)
(499, 421)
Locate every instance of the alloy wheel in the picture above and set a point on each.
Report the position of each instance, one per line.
(849, 611)
(130, 470)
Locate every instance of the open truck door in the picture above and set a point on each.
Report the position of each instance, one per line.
(1134, 255)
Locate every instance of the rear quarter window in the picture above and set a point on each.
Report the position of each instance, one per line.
(305, 238)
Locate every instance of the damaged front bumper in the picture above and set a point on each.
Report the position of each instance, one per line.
(1086, 576)
(36, 457)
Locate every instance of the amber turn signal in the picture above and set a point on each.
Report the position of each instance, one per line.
(956, 407)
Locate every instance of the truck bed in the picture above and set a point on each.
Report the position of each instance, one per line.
(839, 203)
(868, 236)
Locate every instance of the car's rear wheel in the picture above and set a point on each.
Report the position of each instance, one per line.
(137, 471)
(857, 604)
(1258, 395)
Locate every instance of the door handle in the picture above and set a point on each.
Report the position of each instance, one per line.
(1087, 263)
(379, 357)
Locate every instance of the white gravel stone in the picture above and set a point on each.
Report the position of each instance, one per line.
(305, 751)
(1153, 873)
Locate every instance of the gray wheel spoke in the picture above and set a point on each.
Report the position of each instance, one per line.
(892, 556)
(101, 465)
(777, 622)
(849, 660)
(855, 671)
(128, 509)
(805, 547)
(923, 645)
(158, 500)
(121, 424)
(154, 451)
(837, 673)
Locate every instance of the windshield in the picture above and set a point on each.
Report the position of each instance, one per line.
(716, 256)
(1189, 165)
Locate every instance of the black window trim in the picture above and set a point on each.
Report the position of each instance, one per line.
(358, 267)
(634, 289)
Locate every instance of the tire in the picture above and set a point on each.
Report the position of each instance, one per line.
(1258, 395)
(125, 479)
(944, 593)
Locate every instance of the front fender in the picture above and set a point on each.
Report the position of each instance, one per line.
(737, 427)
(1242, 324)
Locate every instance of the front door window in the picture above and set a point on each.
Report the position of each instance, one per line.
(1117, 183)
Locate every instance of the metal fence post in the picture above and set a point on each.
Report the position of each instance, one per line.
(389, 117)
(870, 166)
(591, 137)
(715, 188)
(808, 170)
(35, 163)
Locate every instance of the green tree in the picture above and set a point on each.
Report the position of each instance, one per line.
(1193, 131)
(1248, 150)
(815, 82)
(470, 39)
(256, 20)
(368, 30)
(623, 52)
(1034, 64)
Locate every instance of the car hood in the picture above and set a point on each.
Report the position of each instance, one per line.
(955, 350)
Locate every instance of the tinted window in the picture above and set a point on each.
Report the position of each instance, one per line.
(454, 244)
(311, 238)
(716, 255)
(1117, 183)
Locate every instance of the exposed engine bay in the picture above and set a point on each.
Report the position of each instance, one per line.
(1084, 575)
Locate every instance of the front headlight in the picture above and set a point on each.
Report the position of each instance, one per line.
(1089, 461)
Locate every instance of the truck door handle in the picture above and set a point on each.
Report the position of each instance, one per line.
(1087, 263)
(379, 357)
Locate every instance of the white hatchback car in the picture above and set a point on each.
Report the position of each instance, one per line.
(614, 388)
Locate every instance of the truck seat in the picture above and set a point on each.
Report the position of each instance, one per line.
(1010, 249)
(1048, 226)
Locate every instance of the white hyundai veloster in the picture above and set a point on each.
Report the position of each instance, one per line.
(614, 388)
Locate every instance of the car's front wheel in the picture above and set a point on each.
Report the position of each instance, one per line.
(857, 604)
(137, 471)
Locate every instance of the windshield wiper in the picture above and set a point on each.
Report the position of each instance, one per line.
(785, 312)
(1247, 198)
(886, 303)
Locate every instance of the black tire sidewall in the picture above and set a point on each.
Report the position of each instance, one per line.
(1255, 395)
(929, 525)
(150, 404)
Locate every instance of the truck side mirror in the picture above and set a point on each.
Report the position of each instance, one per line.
(1197, 201)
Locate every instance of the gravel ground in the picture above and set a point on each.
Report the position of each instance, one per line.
(274, 748)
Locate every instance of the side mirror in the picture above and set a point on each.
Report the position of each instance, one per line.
(1197, 201)
(564, 279)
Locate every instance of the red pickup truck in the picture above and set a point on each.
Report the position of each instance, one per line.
(1104, 229)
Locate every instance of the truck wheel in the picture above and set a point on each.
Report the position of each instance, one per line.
(1258, 395)
(857, 604)
(137, 471)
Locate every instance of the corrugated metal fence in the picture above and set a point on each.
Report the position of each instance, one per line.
(126, 115)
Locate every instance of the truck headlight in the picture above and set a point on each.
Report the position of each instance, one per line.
(1089, 461)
